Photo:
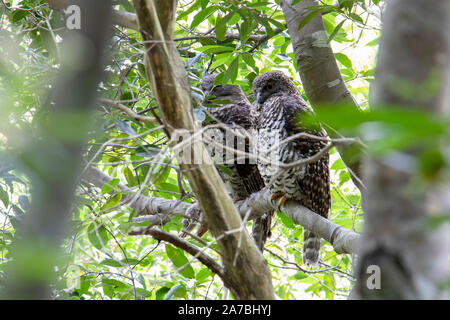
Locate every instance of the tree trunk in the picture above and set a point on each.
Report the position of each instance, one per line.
(408, 258)
(246, 270)
(52, 160)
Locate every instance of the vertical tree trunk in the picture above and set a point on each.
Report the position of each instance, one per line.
(398, 250)
(247, 274)
(53, 159)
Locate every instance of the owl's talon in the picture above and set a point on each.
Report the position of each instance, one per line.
(282, 201)
(276, 195)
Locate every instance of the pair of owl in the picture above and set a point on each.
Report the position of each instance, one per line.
(275, 116)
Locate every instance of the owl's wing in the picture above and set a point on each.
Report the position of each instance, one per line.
(314, 183)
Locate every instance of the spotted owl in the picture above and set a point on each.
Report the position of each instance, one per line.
(239, 173)
(280, 108)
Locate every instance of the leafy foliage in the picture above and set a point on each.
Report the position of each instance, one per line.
(236, 39)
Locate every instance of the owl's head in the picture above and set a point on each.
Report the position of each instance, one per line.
(230, 92)
(272, 83)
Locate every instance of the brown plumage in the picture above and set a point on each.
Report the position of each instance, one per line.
(280, 107)
(241, 174)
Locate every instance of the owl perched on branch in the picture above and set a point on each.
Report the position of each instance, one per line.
(280, 108)
(239, 172)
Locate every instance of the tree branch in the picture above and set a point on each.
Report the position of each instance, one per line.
(209, 262)
(342, 239)
(133, 115)
(245, 266)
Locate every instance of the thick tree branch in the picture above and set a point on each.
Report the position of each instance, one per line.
(319, 71)
(343, 240)
(245, 267)
(141, 204)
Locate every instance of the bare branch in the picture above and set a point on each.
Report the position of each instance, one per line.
(194, 251)
(133, 115)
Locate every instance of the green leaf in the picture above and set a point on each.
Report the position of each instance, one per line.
(129, 175)
(356, 17)
(178, 258)
(112, 202)
(147, 151)
(4, 197)
(222, 59)
(436, 221)
(202, 15)
(160, 294)
(224, 170)
(286, 220)
(110, 186)
(277, 24)
(344, 176)
(178, 290)
(266, 24)
(235, 18)
(203, 275)
(232, 71)
(111, 263)
(308, 18)
(114, 283)
(204, 3)
(338, 165)
(123, 126)
(335, 31)
(246, 29)
(249, 60)
(344, 60)
(19, 15)
(431, 162)
(374, 42)
(259, 5)
(221, 26)
(214, 49)
(187, 12)
(99, 237)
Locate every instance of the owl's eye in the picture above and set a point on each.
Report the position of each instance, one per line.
(269, 86)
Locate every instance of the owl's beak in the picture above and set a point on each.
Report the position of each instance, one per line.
(258, 98)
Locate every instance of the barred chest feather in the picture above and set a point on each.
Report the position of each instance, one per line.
(272, 130)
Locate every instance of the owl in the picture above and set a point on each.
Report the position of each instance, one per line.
(239, 173)
(280, 108)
